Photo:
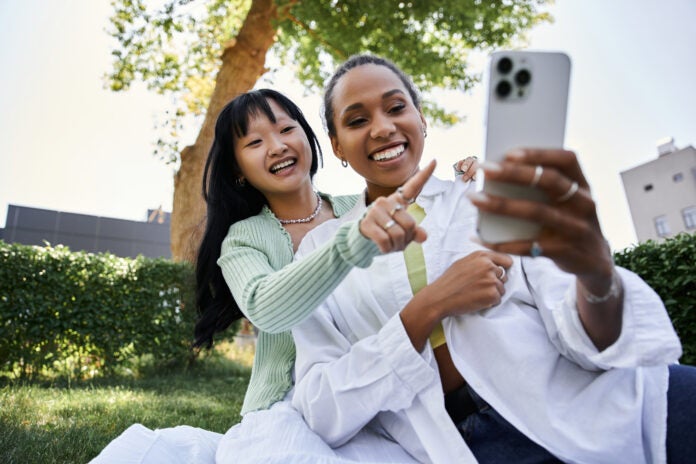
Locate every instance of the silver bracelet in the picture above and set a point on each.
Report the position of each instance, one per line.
(614, 291)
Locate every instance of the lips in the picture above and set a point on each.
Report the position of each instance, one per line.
(388, 153)
(277, 167)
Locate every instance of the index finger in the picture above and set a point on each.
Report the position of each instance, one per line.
(414, 185)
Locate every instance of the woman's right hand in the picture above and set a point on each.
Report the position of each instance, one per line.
(472, 283)
(388, 224)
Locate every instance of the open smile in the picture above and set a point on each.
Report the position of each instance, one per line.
(389, 153)
(284, 164)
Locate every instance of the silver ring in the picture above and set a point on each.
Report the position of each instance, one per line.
(502, 272)
(396, 208)
(538, 171)
(389, 224)
(400, 191)
(572, 190)
(535, 249)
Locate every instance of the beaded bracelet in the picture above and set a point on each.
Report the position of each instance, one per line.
(613, 291)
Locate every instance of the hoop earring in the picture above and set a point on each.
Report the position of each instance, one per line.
(344, 163)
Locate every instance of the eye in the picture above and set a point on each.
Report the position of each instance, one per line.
(286, 129)
(253, 143)
(355, 122)
(397, 107)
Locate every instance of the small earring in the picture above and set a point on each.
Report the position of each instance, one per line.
(425, 132)
(241, 182)
(344, 163)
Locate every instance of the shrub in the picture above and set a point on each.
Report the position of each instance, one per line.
(669, 267)
(82, 313)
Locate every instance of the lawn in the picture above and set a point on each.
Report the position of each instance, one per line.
(71, 422)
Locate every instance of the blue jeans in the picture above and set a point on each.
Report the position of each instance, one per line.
(681, 414)
(492, 439)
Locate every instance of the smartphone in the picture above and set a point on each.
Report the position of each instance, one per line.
(526, 108)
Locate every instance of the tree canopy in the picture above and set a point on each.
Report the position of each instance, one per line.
(202, 53)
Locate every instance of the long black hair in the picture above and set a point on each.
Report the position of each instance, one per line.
(230, 201)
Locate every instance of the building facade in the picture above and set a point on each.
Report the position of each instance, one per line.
(81, 232)
(661, 193)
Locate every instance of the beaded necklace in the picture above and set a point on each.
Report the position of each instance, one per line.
(308, 218)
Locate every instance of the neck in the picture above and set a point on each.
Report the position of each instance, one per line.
(293, 205)
(374, 192)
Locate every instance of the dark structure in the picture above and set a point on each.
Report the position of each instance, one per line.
(34, 226)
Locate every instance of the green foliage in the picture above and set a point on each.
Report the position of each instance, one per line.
(81, 314)
(176, 48)
(669, 267)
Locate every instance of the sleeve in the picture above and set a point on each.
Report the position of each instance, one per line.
(647, 336)
(341, 386)
(275, 301)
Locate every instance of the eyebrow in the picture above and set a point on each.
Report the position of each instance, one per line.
(385, 95)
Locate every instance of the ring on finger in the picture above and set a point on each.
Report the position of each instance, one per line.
(535, 250)
(502, 272)
(400, 191)
(572, 190)
(396, 208)
(538, 171)
(389, 224)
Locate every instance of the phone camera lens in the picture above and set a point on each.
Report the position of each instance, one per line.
(522, 77)
(503, 89)
(504, 65)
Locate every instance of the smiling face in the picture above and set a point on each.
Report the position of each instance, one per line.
(378, 128)
(275, 157)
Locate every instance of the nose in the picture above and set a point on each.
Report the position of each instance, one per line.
(276, 147)
(382, 126)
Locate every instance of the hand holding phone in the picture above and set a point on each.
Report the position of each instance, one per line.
(527, 105)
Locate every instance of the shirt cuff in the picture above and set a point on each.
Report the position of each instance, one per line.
(411, 367)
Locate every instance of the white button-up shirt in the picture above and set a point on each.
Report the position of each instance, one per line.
(528, 357)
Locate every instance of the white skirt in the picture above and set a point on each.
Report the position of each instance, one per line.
(273, 436)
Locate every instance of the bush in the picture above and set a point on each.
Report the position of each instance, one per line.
(82, 314)
(669, 267)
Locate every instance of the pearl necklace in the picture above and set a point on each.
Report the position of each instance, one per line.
(308, 218)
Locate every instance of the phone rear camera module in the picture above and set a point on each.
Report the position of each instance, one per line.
(522, 77)
(503, 89)
(504, 65)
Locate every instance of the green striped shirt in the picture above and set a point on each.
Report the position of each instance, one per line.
(276, 294)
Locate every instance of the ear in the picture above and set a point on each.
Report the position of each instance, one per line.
(422, 118)
(338, 153)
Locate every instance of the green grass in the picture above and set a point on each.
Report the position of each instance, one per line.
(71, 423)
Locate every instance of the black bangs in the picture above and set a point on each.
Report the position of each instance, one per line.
(245, 107)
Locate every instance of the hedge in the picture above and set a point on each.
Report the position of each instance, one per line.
(669, 267)
(84, 314)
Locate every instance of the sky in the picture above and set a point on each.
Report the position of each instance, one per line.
(67, 143)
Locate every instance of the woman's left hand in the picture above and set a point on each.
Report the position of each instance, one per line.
(466, 168)
(570, 234)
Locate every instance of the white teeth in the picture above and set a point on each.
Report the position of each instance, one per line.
(388, 154)
(282, 165)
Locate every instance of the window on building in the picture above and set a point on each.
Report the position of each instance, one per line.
(678, 177)
(648, 187)
(689, 215)
(662, 226)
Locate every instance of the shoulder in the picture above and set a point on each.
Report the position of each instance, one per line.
(341, 204)
(257, 229)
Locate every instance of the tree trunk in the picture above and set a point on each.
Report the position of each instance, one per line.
(243, 63)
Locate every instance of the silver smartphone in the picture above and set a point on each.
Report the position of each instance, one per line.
(526, 108)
